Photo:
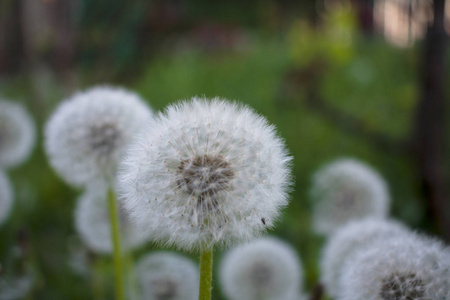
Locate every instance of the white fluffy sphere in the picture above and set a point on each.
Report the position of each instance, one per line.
(264, 269)
(347, 190)
(87, 134)
(167, 276)
(6, 197)
(350, 239)
(204, 173)
(17, 134)
(15, 288)
(92, 223)
(403, 268)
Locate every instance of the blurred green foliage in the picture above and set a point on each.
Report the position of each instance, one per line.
(365, 78)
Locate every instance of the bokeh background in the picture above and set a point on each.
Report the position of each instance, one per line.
(339, 78)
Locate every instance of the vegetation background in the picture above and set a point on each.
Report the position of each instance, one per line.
(339, 78)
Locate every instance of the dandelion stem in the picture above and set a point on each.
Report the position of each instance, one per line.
(206, 265)
(115, 234)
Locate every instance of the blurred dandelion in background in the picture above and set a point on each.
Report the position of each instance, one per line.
(345, 190)
(6, 197)
(17, 134)
(167, 276)
(349, 239)
(408, 267)
(93, 224)
(87, 134)
(264, 269)
(15, 288)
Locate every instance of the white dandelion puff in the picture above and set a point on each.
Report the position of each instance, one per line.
(15, 288)
(264, 269)
(17, 134)
(347, 190)
(204, 173)
(6, 197)
(87, 134)
(92, 223)
(167, 276)
(349, 240)
(403, 268)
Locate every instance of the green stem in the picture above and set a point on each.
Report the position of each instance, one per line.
(115, 234)
(97, 279)
(206, 265)
(132, 283)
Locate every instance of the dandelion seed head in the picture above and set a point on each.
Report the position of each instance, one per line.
(87, 135)
(263, 269)
(15, 288)
(6, 197)
(206, 172)
(350, 239)
(408, 267)
(17, 134)
(167, 276)
(347, 190)
(92, 223)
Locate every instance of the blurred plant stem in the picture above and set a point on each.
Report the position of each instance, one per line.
(117, 247)
(131, 278)
(317, 292)
(98, 292)
(206, 265)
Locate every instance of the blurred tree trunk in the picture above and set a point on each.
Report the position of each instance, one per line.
(365, 16)
(49, 31)
(429, 136)
(10, 42)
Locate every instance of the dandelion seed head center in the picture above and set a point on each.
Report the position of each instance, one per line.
(104, 138)
(204, 175)
(164, 288)
(402, 287)
(261, 274)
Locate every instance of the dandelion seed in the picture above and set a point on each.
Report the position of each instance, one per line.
(167, 276)
(17, 134)
(264, 269)
(407, 268)
(350, 239)
(87, 135)
(93, 224)
(347, 190)
(206, 173)
(6, 197)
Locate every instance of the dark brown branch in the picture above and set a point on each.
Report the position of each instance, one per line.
(317, 292)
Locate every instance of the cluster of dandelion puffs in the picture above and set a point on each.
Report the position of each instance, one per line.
(208, 173)
(204, 172)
